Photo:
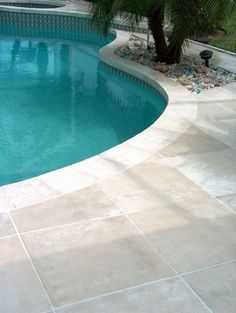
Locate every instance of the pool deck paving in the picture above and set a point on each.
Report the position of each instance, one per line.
(158, 236)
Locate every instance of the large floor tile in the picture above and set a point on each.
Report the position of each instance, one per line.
(230, 104)
(6, 227)
(190, 235)
(149, 184)
(81, 261)
(77, 206)
(217, 121)
(216, 287)
(229, 201)
(171, 296)
(215, 172)
(193, 141)
(21, 291)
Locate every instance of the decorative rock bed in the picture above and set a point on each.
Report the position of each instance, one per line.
(191, 72)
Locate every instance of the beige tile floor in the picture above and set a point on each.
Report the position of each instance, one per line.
(220, 292)
(6, 227)
(21, 290)
(229, 200)
(158, 237)
(151, 298)
(99, 257)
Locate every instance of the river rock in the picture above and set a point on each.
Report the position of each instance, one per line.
(191, 72)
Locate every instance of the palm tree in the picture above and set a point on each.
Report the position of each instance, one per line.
(181, 16)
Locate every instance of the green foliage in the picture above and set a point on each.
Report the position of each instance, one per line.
(228, 42)
(212, 18)
(184, 18)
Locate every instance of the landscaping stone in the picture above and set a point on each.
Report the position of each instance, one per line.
(191, 72)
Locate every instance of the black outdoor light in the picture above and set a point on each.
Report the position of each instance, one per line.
(206, 55)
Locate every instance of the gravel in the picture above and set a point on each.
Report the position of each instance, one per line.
(190, 72)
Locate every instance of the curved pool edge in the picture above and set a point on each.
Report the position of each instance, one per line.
(175, 120)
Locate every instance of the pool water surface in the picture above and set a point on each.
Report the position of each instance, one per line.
(59, 105)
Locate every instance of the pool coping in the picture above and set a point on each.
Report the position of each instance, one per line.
(180, 112)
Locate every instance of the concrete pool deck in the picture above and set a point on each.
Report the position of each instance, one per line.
(148, 226)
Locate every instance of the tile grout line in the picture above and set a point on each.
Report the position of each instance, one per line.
(192, 180)
(178, 275)
(75, 223)
(61, 193)
(225, 205)
(7, 236)
(231, 110)
(172, 268)
(143, 285)
(163, 258)
(196, 294)
(118, 291)
(69, 224)
(184, 273)
(107, 218)
(33, 265)
(227, 147)
(210, 267)
(211, 196)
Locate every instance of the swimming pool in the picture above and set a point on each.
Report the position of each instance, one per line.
(60, 105)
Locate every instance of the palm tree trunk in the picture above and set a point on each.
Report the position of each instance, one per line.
(165, 53)
(174, 55)
(156, 23)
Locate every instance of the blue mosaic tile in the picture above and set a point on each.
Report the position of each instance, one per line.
(133, 78)
(45, 20)
(50, 26)
(57, 21)
(31, 5)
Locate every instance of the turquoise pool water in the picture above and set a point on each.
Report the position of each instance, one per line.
(58, 105)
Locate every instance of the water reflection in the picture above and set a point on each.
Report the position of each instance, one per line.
(14, 52)
(32, 53)
(42, 58)
(65, 60)
(59, 107)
